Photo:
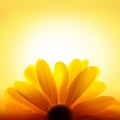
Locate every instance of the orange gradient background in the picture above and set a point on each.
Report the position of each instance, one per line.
(59, 30)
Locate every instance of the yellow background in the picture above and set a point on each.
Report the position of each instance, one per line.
(17, 18)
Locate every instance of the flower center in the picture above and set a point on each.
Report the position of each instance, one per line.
(59, 112)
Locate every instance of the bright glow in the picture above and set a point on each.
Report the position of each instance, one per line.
(27, 33)
(62, 40)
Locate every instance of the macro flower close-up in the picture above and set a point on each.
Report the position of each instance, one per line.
(67, 93)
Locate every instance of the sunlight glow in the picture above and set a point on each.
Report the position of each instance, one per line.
(59, 31)
(62, 40)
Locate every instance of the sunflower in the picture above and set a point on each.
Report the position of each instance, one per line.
(67, 93)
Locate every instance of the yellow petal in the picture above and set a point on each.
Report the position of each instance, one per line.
(31, 75)
(15, 95)
(92, 91)
(84, 64)
(74, 68)
(46, 80)
(61, 77)
(80, 84)
(93, 106)
(32, 94)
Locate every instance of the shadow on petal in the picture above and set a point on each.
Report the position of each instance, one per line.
(22, 117)
(88, 117)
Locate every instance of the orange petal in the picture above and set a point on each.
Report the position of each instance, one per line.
(84, 64)
(93, 106)
(46, 80)
(80, 84)
(93, 90)
(22, 100)
(61, 77)
(32, 94)
(31, 75)
(15, 108)
(109, 113)
(74, 69)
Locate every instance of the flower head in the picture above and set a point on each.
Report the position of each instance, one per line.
(67, 93)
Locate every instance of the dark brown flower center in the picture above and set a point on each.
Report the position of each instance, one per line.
(59, 112)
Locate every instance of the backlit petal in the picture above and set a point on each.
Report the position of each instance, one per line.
(13, 93)
(93, 106)
(92, 91)
(61, 77)
(46, 80)
(84, 64)
(74, 69)
(32, 94)
(109, 113)
(13, 107)
(31, 75)
(80, 84)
